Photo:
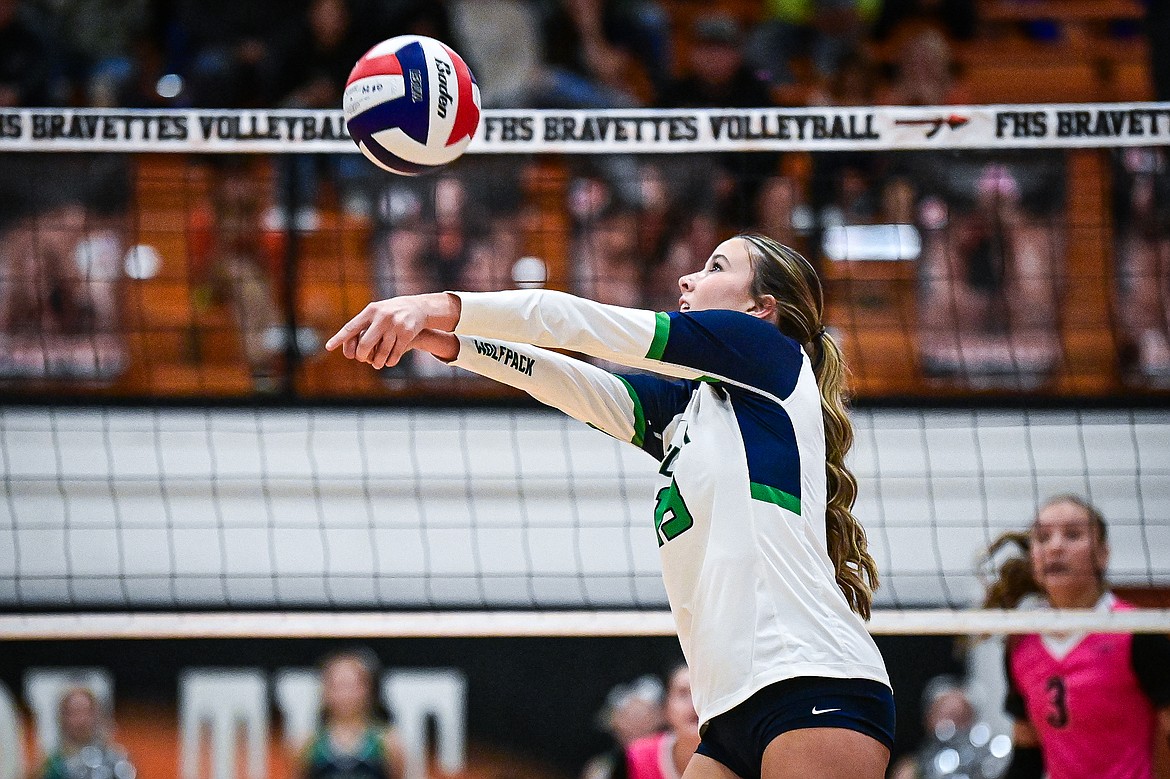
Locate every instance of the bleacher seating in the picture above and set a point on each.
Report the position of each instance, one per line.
(181, 348)
(1048, 82)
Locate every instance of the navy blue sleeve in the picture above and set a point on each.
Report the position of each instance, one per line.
(1150, 659)
(656, 402)
(730, 345)
(1013, 702)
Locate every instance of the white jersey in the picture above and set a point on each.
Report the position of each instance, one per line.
(740, 516)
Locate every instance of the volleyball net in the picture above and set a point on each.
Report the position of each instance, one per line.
(182, 459)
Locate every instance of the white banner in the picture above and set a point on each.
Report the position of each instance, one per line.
(608, 131)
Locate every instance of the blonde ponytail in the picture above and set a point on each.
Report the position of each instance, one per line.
(1013, 577)
(856, 571)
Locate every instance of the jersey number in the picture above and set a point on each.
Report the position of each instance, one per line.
(672, 518)
(667, 468)
(1057, 703)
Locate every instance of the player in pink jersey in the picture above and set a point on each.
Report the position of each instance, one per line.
(1093, 706)
(666, 755)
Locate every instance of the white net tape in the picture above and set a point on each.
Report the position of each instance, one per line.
(525, 624)
(609, 131)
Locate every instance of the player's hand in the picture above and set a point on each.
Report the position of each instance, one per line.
(382, 332)
(385, 330)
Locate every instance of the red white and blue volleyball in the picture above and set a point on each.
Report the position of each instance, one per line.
(411, 105)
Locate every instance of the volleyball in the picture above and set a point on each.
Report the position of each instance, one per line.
(411, 105)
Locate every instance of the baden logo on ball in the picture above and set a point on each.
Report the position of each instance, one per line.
(398, 105)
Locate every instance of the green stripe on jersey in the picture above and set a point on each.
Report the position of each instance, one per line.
(772, 495)
(639, 415)
(661, 332)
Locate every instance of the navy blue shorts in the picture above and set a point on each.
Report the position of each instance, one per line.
(738, 738)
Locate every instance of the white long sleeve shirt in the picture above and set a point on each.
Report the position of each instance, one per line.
(738, 433)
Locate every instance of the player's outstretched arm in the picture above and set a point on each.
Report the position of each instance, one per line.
(386, 329)
(721, 345)
(583, 391)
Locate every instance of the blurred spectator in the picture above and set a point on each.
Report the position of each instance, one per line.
(235, 262)
(591, 55)
(26, 62)
(318, 63)
(631, 711)
(321, 57)
(666, 755)
(81, 201)
(100, 41)
(698, 197)
(602, 53)
(461, 228)
(855, 188)
(1158, 29)
(925, 75)
(955, 744)
(992, 235)
(956, 18)
(580, 54)
(231, 49)
(431, 18)
(855, 82)
(717, 77)
(1141, 215)
(458, 229)
(501, 41)
(846, 188)
(352, 740)
(433, 229)
(649, 36)
(821, 30)
(925, 72)
(85, 751)
(1141, 195)
(63, 235)
(609, 253)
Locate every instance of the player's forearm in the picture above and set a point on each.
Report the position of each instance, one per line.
(1027, 760)
(583, 391)
(442, 310)
(559, 320)
(441, 344)
(1162, 743)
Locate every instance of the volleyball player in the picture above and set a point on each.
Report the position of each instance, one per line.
(85, 750)
(351, 743)
(765, 566)
(665, 755)
(1094, 705)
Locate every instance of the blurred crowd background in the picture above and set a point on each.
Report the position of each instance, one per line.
(200, 277)
(580, 708)
(157, 275)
